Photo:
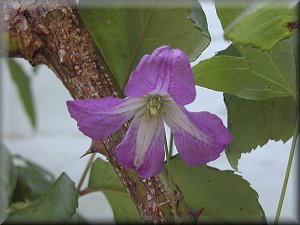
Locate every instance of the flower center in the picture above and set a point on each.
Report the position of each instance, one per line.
(154, 104)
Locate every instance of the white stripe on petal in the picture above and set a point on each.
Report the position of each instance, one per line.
(176, 118)
(129, 105)
(98, 118)
(147, 131)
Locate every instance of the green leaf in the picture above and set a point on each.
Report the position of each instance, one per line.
(231, 50)
(8, 180)
(32, 181)
(227, 11)
(56, 205)
(103, 178)
(254, 74)
(254, 123)
(226, 197)
(263, 24)
(124, 34)
(22, 82)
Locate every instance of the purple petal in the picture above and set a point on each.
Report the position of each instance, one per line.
(142, 149)
(166, 70)
(200, 137)
(98, 118)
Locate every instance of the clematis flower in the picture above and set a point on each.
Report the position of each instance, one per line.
(157, 91)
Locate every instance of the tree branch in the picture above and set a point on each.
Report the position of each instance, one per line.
(47, 32)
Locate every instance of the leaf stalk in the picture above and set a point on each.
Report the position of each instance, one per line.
(86, 170)
(168, 156)
(288, 170)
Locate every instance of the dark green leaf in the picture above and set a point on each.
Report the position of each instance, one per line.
(103, 178)
(254, 123)
(125, 33)
(263, 24)
(56, 205)
(8, 180)
(22, 82)
(254, 75)
(231, 50)
(227, 11)
(32, 181)
(226, 197)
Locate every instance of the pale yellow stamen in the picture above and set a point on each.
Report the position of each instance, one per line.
(154, 105)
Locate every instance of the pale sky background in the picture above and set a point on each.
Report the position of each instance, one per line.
(57, 144)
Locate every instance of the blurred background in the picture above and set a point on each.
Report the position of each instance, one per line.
(56, 143)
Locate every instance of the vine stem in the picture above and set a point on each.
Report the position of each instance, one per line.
(170, 179)
(171, 144)
(288, 170)
(86, 170)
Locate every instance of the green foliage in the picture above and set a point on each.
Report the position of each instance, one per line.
(22, 82)
(253, 74)
(103, 178)
(227, 11)
(8, 180)
(254, 123)
(28, 193)
(32, 181)
(124, 34)
(262, 24)
(259, 89)
(226, 197)
(250, 74)
(56, 205)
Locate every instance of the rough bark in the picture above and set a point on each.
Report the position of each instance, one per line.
(47, 32)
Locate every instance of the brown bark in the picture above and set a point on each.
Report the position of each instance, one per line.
(47, 32)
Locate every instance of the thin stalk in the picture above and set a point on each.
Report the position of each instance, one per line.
(170, 180)
(287, 173)
(171, 144)
(86, 170)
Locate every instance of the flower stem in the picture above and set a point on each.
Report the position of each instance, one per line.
(86, 170)
(171, 145)
(170, 180)
(287, 173)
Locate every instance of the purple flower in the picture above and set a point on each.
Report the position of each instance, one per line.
(157, 91)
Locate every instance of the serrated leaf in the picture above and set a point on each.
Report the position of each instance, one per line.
(103, 178)
(8, 180)
(226, 197)
(254, 75)
(56, 205)
(33, 181)
(263, 24)
(125, 33)
(254, 123)
(22, 82)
